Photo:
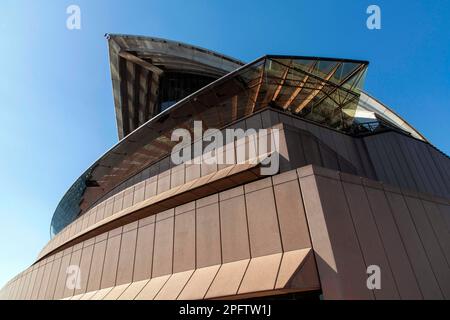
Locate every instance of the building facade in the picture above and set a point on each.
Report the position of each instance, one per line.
(358, 206)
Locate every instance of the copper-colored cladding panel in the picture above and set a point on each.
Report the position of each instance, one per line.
(128, 197)
(262, 218)
(85, 222)
(163, 247)
(50, 291)
(394, 228)
(207, 168)
(439, 226)
(79, 225)
(204, 186)
(13, 292)
(208, 232)
(184, 238)
(174, 285)
(111, 260)
(404, 276)
(222, 154)
(199, 283)
(19, 286)
(164, 181)
(261, 274)
(133, 290)
(85, 265)
(70, 283)
(418, 257)
(38, 282)
(126, 257)
(139, 192)
(95, 273)
(100, 294)
(408, 163)
(234, 232)
(24, 285)
(151, 185)
(431, 245)
(31, 283)
(28, 283)
(118, 202)
(144, 252)
(228, 279)
(100, 214)
(62, 277)
(192, 172)
(152, 288)
(335, 243)
(45, 280)
(305, 278)
(290, 262)
(353, 223)
(91, 218)
(109, 207)
(88, 295)
(369, 239)
(116, 292)
(32, 279)
(291, 214)
(177, 176)
(72, 226)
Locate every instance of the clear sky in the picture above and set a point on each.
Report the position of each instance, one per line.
(57, 114)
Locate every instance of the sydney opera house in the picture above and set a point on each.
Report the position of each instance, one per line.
(357, 208)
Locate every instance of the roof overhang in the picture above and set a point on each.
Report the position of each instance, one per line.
(137, 63)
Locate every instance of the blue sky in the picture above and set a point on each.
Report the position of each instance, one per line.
(57, 114)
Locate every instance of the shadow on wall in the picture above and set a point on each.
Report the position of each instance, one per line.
(356, 223)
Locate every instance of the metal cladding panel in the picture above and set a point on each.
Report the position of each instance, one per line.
(144, 253)
(178, 252)
(344, 222)
(208, 239)
(109, 272)
(409, 163)
(126, 257)
(96, 269)
(85, 266)
(368, 236)
(234, 230)
(184, 240)
(342, 268)
(356, 223)
(163, 247)
(262, 218)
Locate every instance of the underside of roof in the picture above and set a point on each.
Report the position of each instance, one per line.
(137, 65)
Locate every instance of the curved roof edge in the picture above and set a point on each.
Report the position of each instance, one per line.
(371, 103)
(115, 36)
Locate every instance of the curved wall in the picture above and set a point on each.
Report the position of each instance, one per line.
(390, 157)
(272, 236)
